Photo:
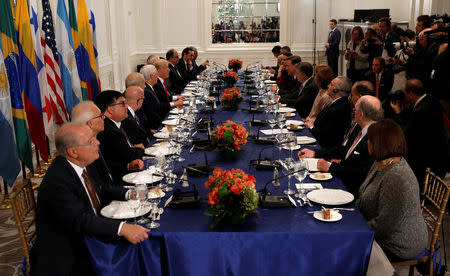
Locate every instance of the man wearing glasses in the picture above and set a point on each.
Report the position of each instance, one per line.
(68, 208)
(121, 155)
(134, 97)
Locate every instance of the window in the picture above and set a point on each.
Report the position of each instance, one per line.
(245, 21)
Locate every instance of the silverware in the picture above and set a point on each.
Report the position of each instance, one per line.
(300, 202)
(344, 209)
(192, 149)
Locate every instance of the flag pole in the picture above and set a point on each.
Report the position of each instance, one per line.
(6, 202)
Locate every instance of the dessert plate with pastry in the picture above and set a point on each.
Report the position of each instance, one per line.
(321, 176)
(327, 215)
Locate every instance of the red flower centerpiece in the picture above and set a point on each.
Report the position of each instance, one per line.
(229, 137)
(233, 196)
(235, 64)
(231, 98)
(229, 78)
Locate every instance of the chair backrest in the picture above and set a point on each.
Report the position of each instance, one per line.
(434, 200)
(24, 209)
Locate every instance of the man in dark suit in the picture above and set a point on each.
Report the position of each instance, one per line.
(154, 108)
(333, 121)
(185, 66)
(161, 88)
(134, 97)
(198, 68)
(332, 47)
(352, 161)
(424, 131)
(120, 154)
(387, 37)
(302, 99)
(290, 85)
(176, 80)
(87, 113)
(382, 79)
(69, 200)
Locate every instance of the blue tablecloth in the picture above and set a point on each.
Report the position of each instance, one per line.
(279, 242)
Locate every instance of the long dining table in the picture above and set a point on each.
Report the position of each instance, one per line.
(282, 241)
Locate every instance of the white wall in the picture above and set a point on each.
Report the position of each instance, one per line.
(129, 31)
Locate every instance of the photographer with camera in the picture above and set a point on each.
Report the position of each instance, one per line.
(371, 45)
(387, 37)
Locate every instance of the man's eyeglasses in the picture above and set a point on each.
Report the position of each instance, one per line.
(102, 116)
(93, 141)
(122, 103)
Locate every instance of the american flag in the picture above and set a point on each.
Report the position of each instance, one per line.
(52, 65)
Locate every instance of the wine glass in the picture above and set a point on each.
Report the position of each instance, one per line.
(291, 142)
(133, 202)
(271, 120)
(280, 139)
(154, 201)
(141, 194)
(289, 167)
(168, 168)
(300, 174)
(281, 121)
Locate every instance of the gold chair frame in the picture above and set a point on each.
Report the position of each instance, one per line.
(24, 209)
(434, 200)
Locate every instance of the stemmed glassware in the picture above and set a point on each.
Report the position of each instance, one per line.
(271, 120)
(154, 201)
(281, 121)
(280, 139)
(133, 202)
(289, 168)
(300, 174)
(291, 142)
(167, 171)
(141, 194)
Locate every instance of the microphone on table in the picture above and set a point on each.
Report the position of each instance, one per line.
(258, 122)
(269, 201)
(264, 140)
(265, 164)
(199, 169)
(222, 66)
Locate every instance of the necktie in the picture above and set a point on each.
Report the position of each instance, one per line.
(137, 119)
(300, 89)
(104, 163)
(349, 133)
(91, 192)
(165, 88)
(125, 134)
(377, 84)
(355, 142)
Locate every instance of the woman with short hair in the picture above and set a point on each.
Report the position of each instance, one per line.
(389, 196)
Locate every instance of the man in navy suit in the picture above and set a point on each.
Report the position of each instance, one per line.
(332, 46)
(69, 201)
(381, 78)
(176, 80)
(333, 121)
(351, 162)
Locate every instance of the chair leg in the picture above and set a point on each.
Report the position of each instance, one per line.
(411, 270)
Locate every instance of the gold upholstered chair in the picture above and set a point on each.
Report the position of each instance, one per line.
(24, 209)
(434, 200)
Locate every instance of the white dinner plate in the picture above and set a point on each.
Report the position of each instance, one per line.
(120, 210)
(334, 216)
(161, 135)
(304, 140)
(294, 148)
(321, 176)
(145, 176)
(161, 150)
(330, 196)
(172, 122)
(286, 109)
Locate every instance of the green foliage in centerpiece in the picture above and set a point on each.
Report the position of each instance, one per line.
(232, 198)
(235, 64)
(230, 99)
(229, 78)
(230, 136)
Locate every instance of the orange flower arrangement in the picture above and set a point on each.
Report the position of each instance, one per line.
(230, 78)
(229, 135)
(232, 195)
(231, 97)
(235, 64)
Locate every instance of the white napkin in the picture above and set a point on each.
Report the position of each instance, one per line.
(311, 164)
(170, 122)
(294, 122)
(275, 131)
(309, 186)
